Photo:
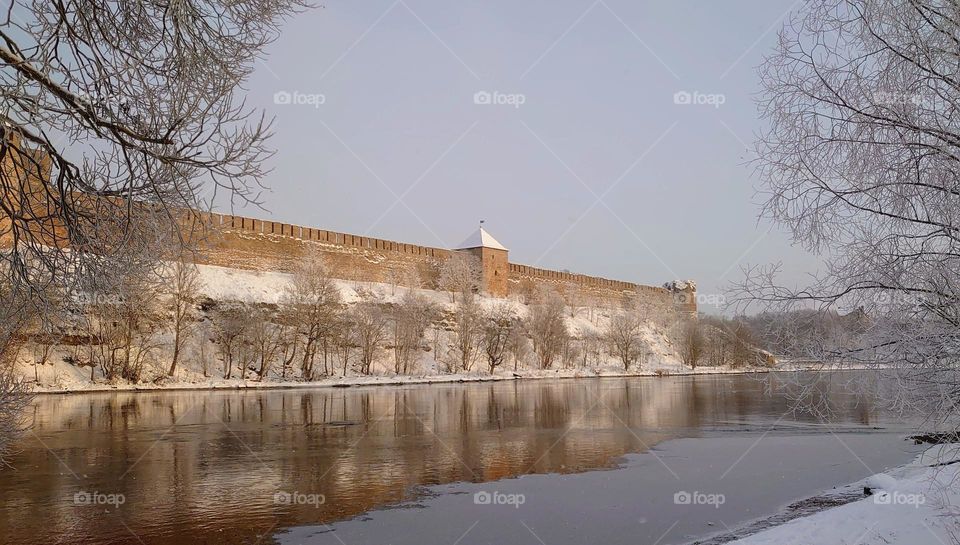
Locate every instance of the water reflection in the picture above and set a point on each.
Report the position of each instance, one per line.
(207, 466)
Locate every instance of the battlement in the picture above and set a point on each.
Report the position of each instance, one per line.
(258, 244)
(251, 243)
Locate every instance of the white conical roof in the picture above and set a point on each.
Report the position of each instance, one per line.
(480, 239)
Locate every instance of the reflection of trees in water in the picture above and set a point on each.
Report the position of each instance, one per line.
(190, 460)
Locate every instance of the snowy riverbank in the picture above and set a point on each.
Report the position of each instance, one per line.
(199, 383)
(385, 380)
(67, 367)
(918, 503)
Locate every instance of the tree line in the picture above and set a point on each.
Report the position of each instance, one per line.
(158, 317)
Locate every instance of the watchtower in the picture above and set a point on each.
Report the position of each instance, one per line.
(493, 261)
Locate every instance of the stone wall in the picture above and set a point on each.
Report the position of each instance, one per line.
(582, 289)
(249, 243)
(256, 244)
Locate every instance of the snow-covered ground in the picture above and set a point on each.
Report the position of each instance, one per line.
(81, 382)
(253, 287)
(916, 504)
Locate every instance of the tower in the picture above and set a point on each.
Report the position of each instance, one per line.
(493, 261)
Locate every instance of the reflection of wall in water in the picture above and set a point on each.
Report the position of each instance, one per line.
(217, 452)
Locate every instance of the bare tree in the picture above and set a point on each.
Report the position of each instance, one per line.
(547, 327)
(570, 353)
(47, 328)
(267, 341)
(122, 321)
(467, 333)
(859, 157)
(316, 303)
(518, 345)
(345, 340)
(287, 339)
(404, 276)
(527, 290)
(230, 329)
(718, 346)
(622, 336)
(591, 343)
(15, 316)
(204, 334)
(499, 323)
(460, 273)
(691, 342)
(744, 351)
(183, 280)
(411, 318)
(370, 330)
(112, 102)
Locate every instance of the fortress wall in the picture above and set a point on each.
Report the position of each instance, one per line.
(249, 243)
(580, 289)
(256, 244)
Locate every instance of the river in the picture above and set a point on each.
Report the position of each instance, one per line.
(651, 460)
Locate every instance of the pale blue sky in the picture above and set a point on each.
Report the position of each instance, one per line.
(598, 120)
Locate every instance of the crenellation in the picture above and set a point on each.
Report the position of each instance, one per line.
(257, 244)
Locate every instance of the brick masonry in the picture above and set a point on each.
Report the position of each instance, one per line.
(256, 244)
(250, 243)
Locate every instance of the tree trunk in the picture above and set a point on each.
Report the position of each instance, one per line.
(176, 352)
